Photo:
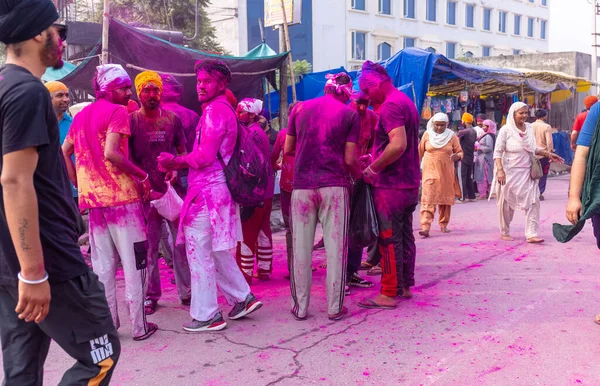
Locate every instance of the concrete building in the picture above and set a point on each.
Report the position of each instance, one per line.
(348, 32)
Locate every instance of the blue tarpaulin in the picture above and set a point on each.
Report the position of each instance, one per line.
(562, 146)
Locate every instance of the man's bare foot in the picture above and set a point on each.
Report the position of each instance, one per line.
(378, 302)
(507, 238)
(424, 233)
(445, 230)
(405, 293)
(535, 240)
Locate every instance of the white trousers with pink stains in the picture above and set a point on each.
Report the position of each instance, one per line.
(113, 233)
(210, 269)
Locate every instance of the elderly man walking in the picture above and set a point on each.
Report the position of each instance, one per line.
(109, 185)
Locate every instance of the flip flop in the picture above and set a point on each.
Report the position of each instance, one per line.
(298, 317)
(364, 266)
(152, 328)
(535, 240)
(339, 315)
(370, 304)
(375, 271)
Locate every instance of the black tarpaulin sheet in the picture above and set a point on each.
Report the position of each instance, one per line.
(137, 51)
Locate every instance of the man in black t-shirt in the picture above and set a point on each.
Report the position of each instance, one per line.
(43, 276)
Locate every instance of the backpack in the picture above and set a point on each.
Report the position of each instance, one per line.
(248, 171)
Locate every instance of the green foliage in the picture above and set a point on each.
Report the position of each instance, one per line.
(302, 67)
(173, 15)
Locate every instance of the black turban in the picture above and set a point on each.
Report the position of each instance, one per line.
(21, 20)
(541, 113)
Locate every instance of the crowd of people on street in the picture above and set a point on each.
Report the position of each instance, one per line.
(118, 160)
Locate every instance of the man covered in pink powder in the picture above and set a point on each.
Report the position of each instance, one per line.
(153, 131)
(322, 134)
(210, 222)
(256, 221)
(109, 186)
(172, 91)
(393, 170)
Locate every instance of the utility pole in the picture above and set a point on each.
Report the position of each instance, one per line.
(105, 24)
(283, 85)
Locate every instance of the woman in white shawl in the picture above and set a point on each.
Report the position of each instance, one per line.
(439, 149)
(515, 148)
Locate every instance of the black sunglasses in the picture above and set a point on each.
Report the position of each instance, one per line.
(62, 31)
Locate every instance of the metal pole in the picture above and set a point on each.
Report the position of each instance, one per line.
(286, 34)
(595, 49)
(105, 23)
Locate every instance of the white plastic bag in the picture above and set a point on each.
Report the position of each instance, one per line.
(169, 205)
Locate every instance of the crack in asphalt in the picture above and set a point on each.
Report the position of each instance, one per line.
(298, 363)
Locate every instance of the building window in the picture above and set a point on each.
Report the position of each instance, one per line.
(431, 10)
(487, 19)
(530, 23)
(384, 51)
(359, 5)
(516, 52)
(486, 51)
(502, 21)
(543, 29)
(385, 7)
(409, 42)
(409, 9)
(517, 25)
(545, 3)
(470, 16)
(451, 13)
(531, 1)
(431, 49)
(359, 45)
(469, 55)
(451, 50)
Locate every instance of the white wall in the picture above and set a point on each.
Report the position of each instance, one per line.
(229, 17)
(329, 34)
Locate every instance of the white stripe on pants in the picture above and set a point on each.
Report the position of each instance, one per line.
(532, 219)
(115, 230)
(210, 268)
(330, 206)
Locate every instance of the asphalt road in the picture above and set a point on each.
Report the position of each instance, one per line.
(484, 312)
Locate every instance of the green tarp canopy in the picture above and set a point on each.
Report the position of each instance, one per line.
(261, 51)
(52, 74)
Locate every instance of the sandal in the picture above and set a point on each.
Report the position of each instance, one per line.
(339, 315)
(370, 304)
(375, 271)
(298, 317)
(364, 266)
(151, 329)
(535, 240)
(424, 234)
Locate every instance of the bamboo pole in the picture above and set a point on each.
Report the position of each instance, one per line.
(286, 34)
(105, 24)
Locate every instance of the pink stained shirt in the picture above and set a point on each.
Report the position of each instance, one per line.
(286, 182)
(189, 121)
(265, 146)
(100, 183)
(207, 190)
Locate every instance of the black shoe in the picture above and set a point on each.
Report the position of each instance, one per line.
(357, 281)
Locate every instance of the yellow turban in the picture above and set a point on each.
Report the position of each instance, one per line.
(146, 77)
(467, 118)
(55, 86)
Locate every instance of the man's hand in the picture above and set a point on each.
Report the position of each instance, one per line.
(145, 189)
(365, 160)
(455, 157)
(501, 176)
(556, 158)
(34, 301)
(171, 177)
(165, 162)
(574, 210)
